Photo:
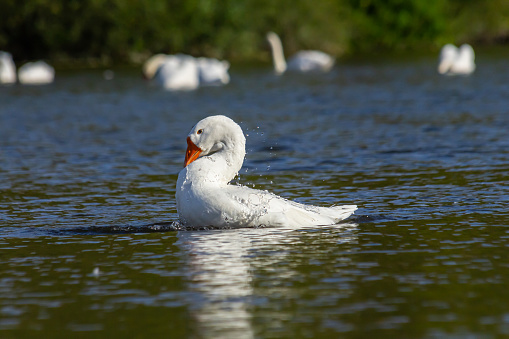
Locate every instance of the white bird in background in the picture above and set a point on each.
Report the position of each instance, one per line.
(464, 63)
(152, 64)
(213, 72)
(453, 60)
(214, 156)
(184, 72)
(178, 72)
(7, 69)
(36, 73)
(448, 55)
(303, 61)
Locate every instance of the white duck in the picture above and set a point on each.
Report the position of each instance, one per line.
(36, 73)
(214, 156)
(7, 69)
(303, 61)
(456, 61)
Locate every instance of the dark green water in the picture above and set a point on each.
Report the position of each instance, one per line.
(88, 168)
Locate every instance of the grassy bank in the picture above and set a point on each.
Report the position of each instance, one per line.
(105, 32)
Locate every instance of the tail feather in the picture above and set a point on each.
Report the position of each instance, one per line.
(338, 213)
(314, 215)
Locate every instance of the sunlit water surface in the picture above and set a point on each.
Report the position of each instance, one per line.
(88, 244)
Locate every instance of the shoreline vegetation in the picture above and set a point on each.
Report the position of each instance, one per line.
(104, 33)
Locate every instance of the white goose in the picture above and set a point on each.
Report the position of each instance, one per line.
(455, 60)
(214, 156)
(303, 61)
(7, 69)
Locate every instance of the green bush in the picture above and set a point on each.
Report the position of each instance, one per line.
(111, 31)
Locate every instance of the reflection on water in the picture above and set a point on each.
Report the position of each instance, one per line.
(220, 277)
(221, 265)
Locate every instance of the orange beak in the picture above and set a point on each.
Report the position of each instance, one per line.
(192, 152)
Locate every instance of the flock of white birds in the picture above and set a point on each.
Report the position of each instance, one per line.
(185, 72)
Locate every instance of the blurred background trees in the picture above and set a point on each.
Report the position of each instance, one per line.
(102, 32)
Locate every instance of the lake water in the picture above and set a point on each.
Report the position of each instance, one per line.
(89, 248)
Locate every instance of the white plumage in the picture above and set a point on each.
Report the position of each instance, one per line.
(7, 69)
(213, 72)
(215, 154)
(303, 61)
(36, 73)
(453, 60)
(184, 72)
(178, 72)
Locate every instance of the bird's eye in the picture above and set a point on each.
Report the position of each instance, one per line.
(200, 131)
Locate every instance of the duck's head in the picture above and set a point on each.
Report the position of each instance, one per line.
(216, 134)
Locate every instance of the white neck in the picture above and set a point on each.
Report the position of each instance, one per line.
(151, 66)
(7, 69)
(218, 168)
(278, 56)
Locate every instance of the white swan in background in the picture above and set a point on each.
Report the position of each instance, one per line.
(453, 60)
(213, 72)
(172, 72)
(36, 73)
(303, 61)
(214, 156)
(178, 72)
(184, 72)
(7, 69)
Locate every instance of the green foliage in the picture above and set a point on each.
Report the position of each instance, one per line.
(398, 24)
(125, 30)
(480, 20)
